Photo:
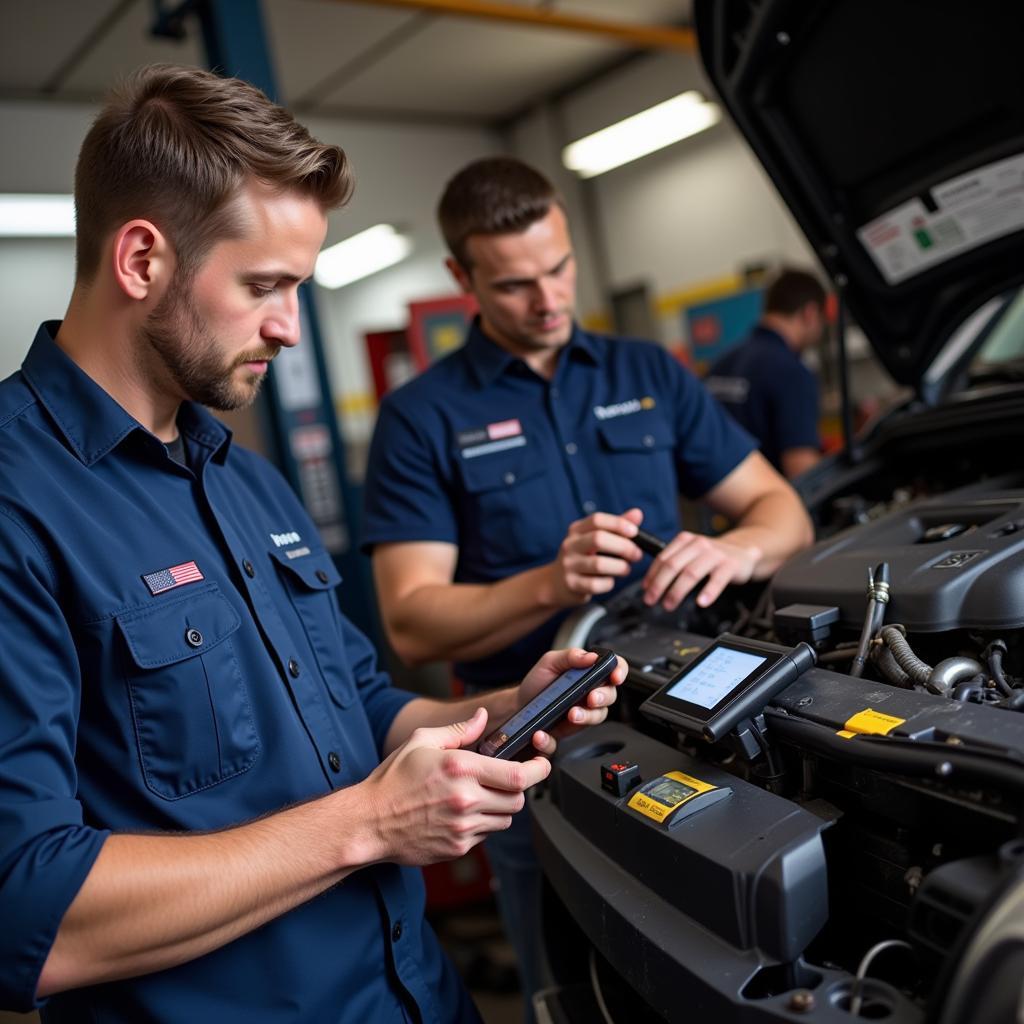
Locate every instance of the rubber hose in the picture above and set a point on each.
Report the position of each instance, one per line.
(995, 667)
(887, 665)
(918, 670)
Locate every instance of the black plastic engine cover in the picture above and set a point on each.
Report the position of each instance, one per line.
(693, 915)
(750, 868)
(956, 562)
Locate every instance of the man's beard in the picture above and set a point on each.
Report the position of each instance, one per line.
(190, 356)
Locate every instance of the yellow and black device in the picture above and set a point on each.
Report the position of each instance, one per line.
(674, 796)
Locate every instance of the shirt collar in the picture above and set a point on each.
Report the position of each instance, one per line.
(90, 420)
(489, 360)
(763, 333)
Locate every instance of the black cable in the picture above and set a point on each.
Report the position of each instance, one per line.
(916, 758)
(766, 749)
(857, 988)
(878, 598)
(994, 654)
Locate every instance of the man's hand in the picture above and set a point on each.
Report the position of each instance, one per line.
(433, 801)
(592, 712)
(687, 559)
(595, 551)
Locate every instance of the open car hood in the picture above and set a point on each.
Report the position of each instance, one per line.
(894, 131)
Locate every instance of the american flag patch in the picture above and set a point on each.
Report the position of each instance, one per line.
(176, 576)
(506, 428)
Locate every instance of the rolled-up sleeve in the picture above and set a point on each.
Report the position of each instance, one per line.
(46, 850)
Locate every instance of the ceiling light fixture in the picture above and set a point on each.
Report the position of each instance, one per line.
(37, 216)
(361, 255)
(636, 136)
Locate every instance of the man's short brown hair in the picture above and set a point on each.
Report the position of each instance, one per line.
(791, 290)
(494, 196)
(174, 145)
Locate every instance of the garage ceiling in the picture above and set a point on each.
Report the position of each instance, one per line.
(335, 58)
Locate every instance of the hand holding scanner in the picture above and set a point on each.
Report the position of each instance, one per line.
(552, 703)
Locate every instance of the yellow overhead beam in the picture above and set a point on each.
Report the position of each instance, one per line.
(648, 37)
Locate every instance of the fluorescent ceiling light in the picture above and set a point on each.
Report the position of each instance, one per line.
(361, 255)
(643, 133)
(37, 216)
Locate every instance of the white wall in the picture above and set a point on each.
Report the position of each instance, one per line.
(35, 281)
(682, 216)
(692, 212)
(38, 155)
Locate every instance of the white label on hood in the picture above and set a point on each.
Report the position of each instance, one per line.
(970, 210)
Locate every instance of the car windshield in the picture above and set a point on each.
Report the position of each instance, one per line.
(1002, 352)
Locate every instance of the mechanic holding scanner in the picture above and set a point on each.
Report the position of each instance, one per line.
(505, 484)
(213, 806)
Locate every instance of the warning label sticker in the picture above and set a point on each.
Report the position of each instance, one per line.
(960, 214)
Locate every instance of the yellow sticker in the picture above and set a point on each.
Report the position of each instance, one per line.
(869, 722)
(659, 798)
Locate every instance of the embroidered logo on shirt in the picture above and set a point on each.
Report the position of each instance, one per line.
(495, 437)
(281, 539)
(608, 412)
(176, 576)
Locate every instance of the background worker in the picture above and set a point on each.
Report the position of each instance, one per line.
(764, 383)
(505, 483)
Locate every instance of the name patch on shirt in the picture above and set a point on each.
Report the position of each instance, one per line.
(609, 412)
(175, 576)
(728, 389)
(495, 437)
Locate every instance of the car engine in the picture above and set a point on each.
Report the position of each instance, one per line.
(894, 849)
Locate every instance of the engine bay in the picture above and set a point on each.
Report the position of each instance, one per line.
(874, 828)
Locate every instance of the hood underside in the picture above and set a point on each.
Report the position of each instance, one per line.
(894, 131)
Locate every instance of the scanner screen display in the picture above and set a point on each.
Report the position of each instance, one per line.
(711, 679)
(543, 699)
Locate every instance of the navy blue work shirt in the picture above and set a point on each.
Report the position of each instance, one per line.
(769, 392)
(175, 659)
(481, 452)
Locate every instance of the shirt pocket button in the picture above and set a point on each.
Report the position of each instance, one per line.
(194, 638)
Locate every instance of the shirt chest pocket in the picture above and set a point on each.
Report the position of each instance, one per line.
(190, 707)
(640, 449)
(509, 509)
(310, 580)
